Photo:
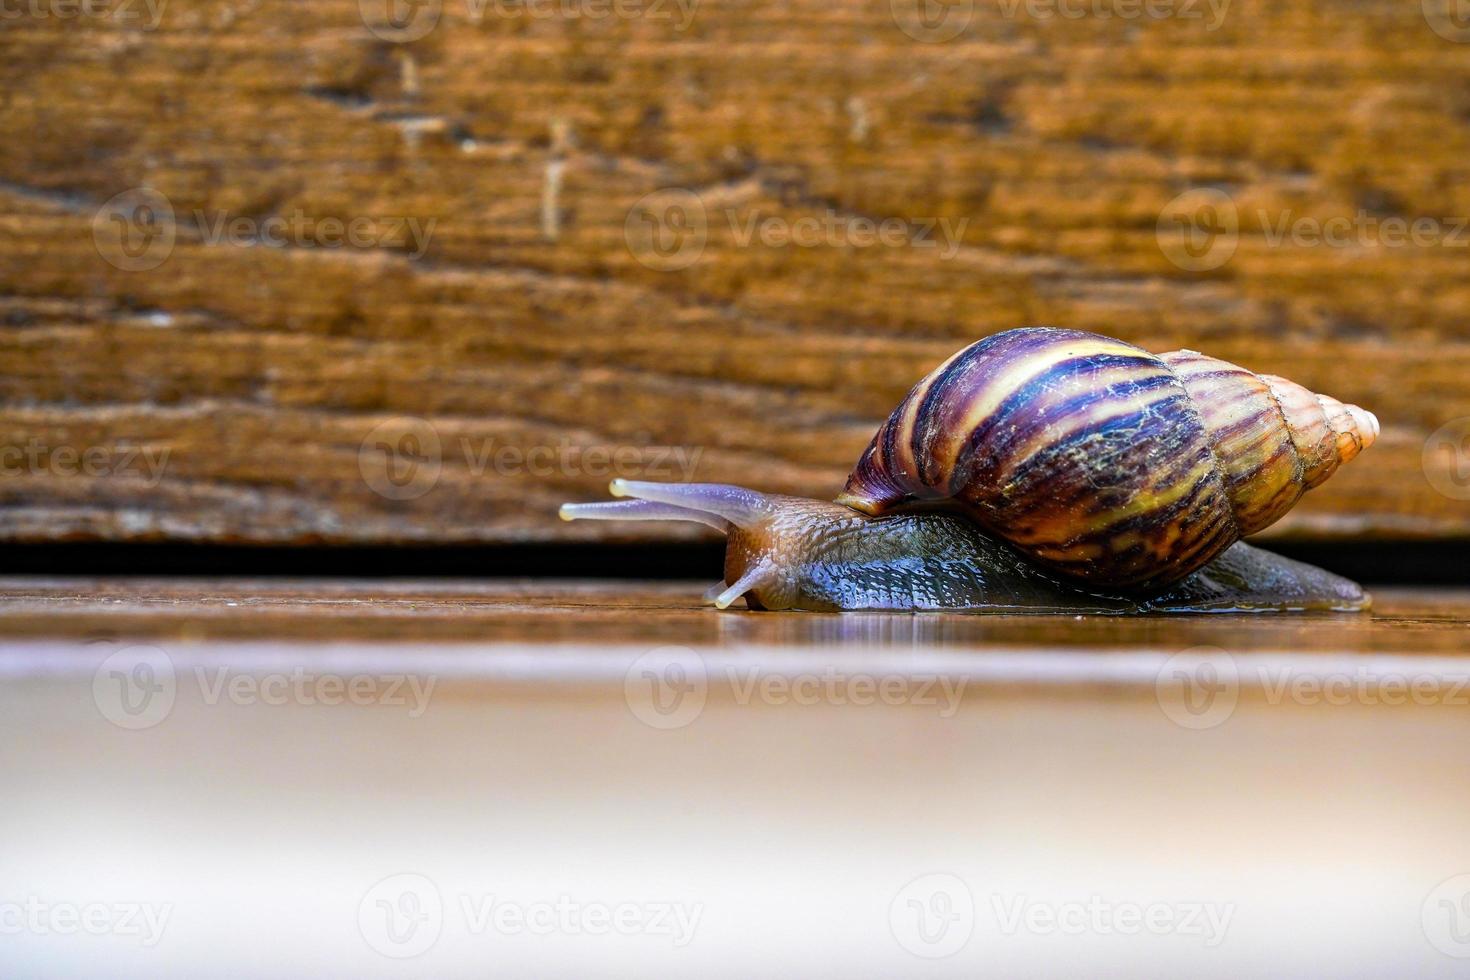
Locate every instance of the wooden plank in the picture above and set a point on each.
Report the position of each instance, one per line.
(192, 747)
(1420, 622)
(495, 167)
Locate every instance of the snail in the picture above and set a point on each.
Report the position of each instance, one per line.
(1043, 469)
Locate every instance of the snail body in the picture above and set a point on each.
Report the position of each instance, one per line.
(1045, 470)
(1106, 463)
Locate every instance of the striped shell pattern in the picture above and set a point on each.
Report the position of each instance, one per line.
(1103, 461)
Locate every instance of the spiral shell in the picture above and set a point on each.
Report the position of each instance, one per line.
(1101, 460)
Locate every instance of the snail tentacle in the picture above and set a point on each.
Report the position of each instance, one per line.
(737, 505)
(640, 510)
(753, 579)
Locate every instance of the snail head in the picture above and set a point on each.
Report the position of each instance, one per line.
(765, 533)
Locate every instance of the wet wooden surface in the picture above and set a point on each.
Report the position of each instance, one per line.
(529, 349)
(1403, 620)
(269, 768)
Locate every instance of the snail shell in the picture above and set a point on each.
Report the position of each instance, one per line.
(1102, 461)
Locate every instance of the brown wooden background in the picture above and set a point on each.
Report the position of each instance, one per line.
(264, 380)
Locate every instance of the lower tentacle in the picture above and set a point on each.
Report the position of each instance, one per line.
(752, 579)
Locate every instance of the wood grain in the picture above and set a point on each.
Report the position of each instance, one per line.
(612, 616)
(519, 329)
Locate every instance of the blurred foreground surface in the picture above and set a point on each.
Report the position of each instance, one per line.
(468, 779)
